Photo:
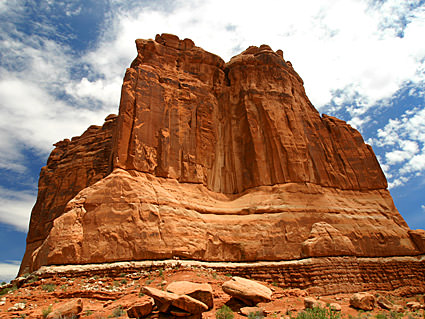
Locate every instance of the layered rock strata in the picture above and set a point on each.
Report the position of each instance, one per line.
(219, 162)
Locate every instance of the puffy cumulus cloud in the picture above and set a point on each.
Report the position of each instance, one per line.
(9, 270)
(33, 118)
(346, 51)
(15, 208)
(403, 142)
(350, 53)
(36, 72)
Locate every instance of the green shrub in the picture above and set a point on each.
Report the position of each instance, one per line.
(33, 279)
(118, 312)
(319, 313)
(256, 315)
(45, 312)
(7, 290)
(224, 313)
(49, 287)
(381, 316)
(395, 315)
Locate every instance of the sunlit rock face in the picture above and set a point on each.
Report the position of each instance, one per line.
(213, 161)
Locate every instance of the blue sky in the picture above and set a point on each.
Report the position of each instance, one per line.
(62, 64)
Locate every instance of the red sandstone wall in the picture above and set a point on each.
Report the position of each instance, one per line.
(72, 166)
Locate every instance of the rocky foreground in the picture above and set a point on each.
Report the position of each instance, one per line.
(178, 290)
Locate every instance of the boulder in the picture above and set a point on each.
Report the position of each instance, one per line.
(201, 292)
(17, 307)
(70, 309)
(248, 291)
(335, 306)
(163, 299)
(310, 302)
(397, 308)
(189, 304)
(384, 303)
(413, 305)
(140, 308)
(362, 300)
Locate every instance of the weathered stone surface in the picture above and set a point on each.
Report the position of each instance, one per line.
(325, 240)
(248, 291)
(70, 309)
(201, 292)
(166, 300)
(203, 158)
(310, 302)
(413, 305)
(335, 306)
(189, 304)
(141, 308)
(72, 166)
(418, 237)
(384, 303)
(17, 307)
(362, 300)
(163, 299)
(398, 308)
(247, 310)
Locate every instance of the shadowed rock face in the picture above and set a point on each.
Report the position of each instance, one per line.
(214, 161)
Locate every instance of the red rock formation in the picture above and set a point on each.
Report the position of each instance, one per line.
(219, 161)
(72, 166)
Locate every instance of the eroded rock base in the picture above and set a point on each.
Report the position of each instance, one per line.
(319, 276)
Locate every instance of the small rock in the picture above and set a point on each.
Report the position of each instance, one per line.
(397, 308)
(69, 309)
(248, 291)
(2, 301)
(247, 310)
(362, 300)
(413, 305)
(335, 306)
(310, 302)
(384, 303)
(17, 307)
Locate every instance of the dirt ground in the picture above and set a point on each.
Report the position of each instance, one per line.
(105, 296)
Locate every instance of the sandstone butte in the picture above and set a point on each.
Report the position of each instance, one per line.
(215, 161)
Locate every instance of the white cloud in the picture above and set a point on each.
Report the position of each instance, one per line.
(350, 52)
(403, 140)
(15, 208)
(346, 51)
(8, 271)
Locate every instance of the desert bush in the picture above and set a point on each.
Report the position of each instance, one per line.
(118, 312)
(49, 287)
(318, 313)
(7, 290)
(224, 313)
(46, 311)
(256, 315)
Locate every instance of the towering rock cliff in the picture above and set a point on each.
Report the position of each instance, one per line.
(214, 161)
